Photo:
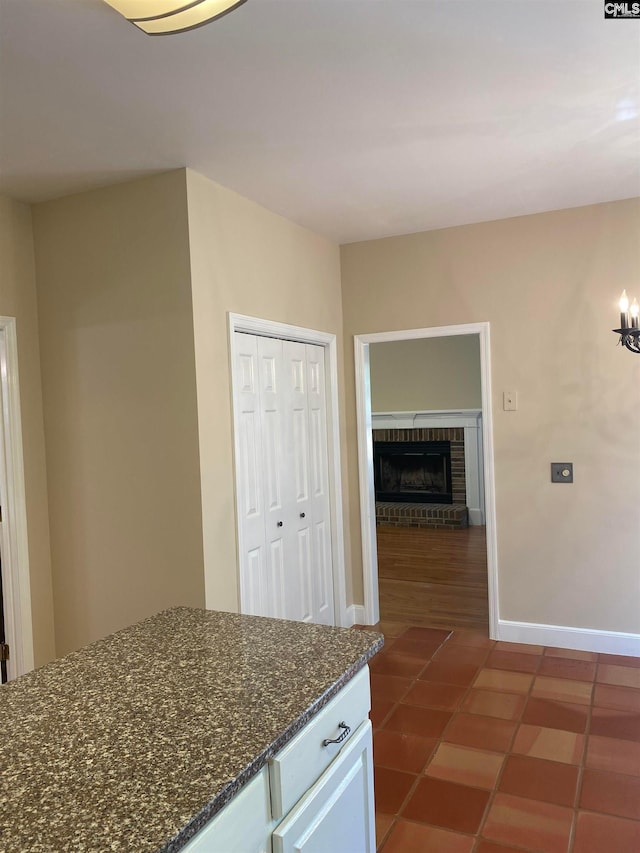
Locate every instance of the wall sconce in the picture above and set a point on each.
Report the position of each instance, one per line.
(629, 331)
(163, 17)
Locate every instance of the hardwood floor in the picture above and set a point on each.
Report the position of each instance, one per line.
(433, 577)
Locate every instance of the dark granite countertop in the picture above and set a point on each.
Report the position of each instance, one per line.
(134, 742)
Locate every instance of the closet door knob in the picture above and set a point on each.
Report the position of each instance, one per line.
(302, 515)
(280, 523)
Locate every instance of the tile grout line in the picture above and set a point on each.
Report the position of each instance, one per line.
(419, 775)
(493, 789)
(415, 679)
(518, 721)
(583, 762)
(438, 741)
(387, 835)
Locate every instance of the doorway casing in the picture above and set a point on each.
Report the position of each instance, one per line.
(15, 544)
(365, 460)
(272, 329)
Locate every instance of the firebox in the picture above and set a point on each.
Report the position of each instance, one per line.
(412, 471)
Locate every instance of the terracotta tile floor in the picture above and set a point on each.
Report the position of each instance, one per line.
(485, 747)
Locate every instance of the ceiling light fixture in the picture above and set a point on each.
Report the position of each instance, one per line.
(163, 17)
(630, 325)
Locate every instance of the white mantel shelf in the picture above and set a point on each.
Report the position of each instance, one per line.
(427, 420)
(468, 419)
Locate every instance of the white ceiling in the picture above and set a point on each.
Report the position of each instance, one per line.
(357, 118)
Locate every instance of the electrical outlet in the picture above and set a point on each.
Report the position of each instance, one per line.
(510, 401)
(562, 472)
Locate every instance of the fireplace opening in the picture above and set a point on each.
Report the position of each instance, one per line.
(412, 471)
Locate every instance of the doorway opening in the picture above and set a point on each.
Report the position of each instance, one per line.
(454, 535)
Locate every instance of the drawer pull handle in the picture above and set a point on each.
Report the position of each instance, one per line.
(340, 738)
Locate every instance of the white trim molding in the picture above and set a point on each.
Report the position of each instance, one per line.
(562, 637)
(355, 615)
(365, 459)
(16, 580)
(443, 418)
(272, 329)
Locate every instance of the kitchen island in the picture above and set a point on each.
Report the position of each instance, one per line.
(137, 741)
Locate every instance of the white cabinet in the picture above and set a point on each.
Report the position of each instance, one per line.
(282, 473)
(314, 796)
(337, 813)
(243, 826)
(297, 766)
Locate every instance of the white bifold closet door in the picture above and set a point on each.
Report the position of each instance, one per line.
(282, 476)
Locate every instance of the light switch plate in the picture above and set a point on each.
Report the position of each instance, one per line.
(562, 472)
(510, 401)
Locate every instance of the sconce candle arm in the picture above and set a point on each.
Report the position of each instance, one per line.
(629, 331)
(629, 338)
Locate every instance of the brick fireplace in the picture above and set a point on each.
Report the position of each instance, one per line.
(449, 513)
(462, 431)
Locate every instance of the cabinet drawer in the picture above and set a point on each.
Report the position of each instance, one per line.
(296, 767)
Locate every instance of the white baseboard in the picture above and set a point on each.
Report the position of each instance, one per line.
(355, 615)
(585, 639)
(476, 517)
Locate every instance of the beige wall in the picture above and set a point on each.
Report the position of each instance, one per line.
(118, 374)
(18, 299)
(244, 260)
(548, 284)
(134, 285)
(428, 374)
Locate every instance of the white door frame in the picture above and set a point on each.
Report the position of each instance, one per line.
(365, 460)
(272, 329)
(16, 582)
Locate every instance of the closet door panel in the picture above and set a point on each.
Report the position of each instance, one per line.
(319, 487)
(300, 455)
(276, 483)
(298, 421)
(303, 607)
(323, 577)
(253, 555)
(300, 567)
(276, 578)
(273, 461)
(255, 582)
